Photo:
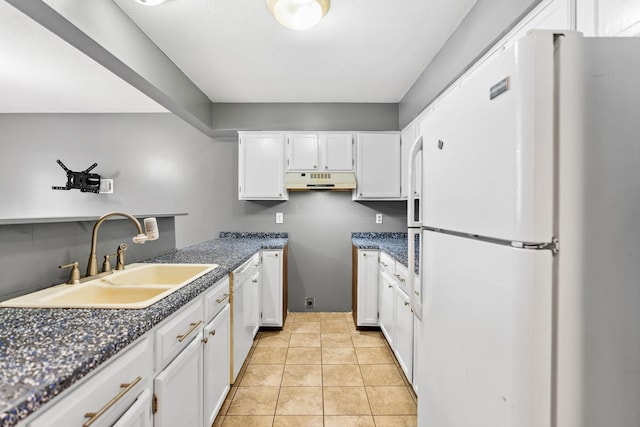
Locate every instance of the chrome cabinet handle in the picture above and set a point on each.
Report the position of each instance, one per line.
(93, 416)
(192, 327)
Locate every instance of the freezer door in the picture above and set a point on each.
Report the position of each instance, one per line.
(488, 148)
(485, 341)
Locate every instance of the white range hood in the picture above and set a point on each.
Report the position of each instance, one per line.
(307, 181)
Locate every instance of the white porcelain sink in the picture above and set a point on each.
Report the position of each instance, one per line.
(138, 286)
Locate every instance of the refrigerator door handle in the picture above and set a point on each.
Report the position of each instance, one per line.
(415, 287)
(413, 200)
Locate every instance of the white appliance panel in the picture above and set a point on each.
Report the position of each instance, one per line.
(488, 163)
(485, 340)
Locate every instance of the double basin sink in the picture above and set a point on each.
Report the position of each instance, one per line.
(139, 286)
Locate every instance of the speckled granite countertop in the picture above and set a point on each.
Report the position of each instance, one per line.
(394, 244)
(44, 351)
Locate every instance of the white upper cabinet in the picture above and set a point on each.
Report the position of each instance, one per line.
(336, 151)
(378, 157)
(303, 152)
(609, 18)
(261, 167)
(320, 152)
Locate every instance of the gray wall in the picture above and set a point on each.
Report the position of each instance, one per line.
(484, 25)
(160, 165)
(305, 116)
(31, 253)
(319, 226)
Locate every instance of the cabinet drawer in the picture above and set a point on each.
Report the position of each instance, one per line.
(176, 334)
(402, 277)
(107, 394)
(216, 299)
(387, 264)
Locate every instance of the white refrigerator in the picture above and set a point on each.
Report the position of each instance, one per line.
(528, 302)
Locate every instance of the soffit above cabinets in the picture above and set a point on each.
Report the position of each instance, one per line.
(41, 73)
(369, 51)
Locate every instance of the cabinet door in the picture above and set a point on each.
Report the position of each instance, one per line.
(178, 389)
(303, 152)
(271, 289)
(404, 334)
(336, 151)
(407, 138)
(261, 167)
(216, 364)
(139, 414)
(367, 288)
(378, 166)
(387, 308)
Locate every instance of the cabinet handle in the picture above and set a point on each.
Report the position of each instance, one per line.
(93, 416)
(255, 280)
(390, 286)
(212, 332)
(192, 327)
(399, 277)
(406, 303)
(204, 340)
(384, 263)
(224, 297)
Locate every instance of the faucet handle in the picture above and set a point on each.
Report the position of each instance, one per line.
(74, 277)
(106, 264)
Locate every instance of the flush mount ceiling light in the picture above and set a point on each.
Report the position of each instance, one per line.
(151, 2)
(298, 14)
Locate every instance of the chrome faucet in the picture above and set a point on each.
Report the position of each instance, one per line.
(92, 266)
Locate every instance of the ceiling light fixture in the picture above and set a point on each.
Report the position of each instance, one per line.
(151, 2)
(298, 14)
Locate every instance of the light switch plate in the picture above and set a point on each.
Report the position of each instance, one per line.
(378, 218)
(279, 218)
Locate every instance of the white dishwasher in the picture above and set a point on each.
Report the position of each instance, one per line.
(245, 311)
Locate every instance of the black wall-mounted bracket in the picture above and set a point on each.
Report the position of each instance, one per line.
(83, 181)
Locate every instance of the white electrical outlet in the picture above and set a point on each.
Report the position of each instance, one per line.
(279, 218)
(378, 218)
(106, 186)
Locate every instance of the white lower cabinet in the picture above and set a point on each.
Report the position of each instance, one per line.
(365, 295)
(403, 347)
(216, 364)
(271, 288)
(109, 396)
(178, 389)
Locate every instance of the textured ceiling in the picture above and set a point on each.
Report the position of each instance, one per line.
(362, 51)
(41, 73)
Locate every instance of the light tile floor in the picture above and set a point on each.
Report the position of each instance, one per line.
(319, 371)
